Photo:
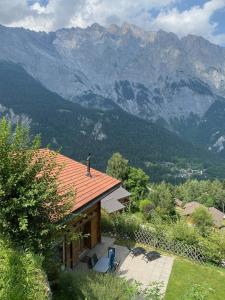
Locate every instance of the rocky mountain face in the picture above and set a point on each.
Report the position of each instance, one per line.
(78, 130)
(153, 75)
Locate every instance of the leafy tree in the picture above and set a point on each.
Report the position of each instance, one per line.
(209, 193)
(118, 167)
(143, 204)
(137, 183)
(30, 203)
(202, 218)
(163, 199)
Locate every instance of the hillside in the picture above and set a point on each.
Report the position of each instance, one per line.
(79, 130)
(154, 75)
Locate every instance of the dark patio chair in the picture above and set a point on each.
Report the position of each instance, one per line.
(90, 263)
(94, 259)
(152, 255)
(116, 266)
(137, 251)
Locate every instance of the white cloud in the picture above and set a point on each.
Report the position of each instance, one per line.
(66, 13)
(13, 11)
(196, 20)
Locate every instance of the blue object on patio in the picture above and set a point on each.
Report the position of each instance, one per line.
(111, 249)
(102, 265)
(111, 255)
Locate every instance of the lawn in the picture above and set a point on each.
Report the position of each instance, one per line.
(185, 274)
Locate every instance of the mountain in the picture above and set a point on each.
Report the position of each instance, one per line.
(153, 75)
(80, 130)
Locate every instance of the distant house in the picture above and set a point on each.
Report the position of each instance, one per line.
(178, 203)
(217, 215)
(190, 207)
(91, 188)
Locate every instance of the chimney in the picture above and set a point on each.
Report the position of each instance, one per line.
(88, 163)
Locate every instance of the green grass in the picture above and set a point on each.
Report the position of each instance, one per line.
(185, 274)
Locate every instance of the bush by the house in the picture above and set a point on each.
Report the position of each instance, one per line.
(21, 275)
(92, 285)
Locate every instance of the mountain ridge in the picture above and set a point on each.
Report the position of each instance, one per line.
(153, 75)
(80, 130)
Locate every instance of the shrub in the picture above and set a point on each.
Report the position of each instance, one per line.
(21, 275)
(145, 206)
(123, 225)
(198, 292)
(91, 285)
(181, 231)
(202, 218)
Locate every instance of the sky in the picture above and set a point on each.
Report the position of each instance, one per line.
(199, 17)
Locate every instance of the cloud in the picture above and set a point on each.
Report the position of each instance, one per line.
(13, 11)
(50, 15)
(64, 13)
(196, 20)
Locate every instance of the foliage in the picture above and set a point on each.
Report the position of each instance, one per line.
(124, 225)
(181, 231)
(198, 292)
(137, 183)
(202, 219)
(118, 167)
(21, 275)
(135, 180)
(163, 199)
(209, 193)
(30, 204)
(153, 292)
(91, 285)
(192, 281)
(146, 206)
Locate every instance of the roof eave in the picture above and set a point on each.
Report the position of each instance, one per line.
(97, 199)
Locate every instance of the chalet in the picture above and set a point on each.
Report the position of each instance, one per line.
(91, 188)
(178, 203)
(217, 215)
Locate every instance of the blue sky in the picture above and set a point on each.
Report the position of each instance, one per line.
(200, 17)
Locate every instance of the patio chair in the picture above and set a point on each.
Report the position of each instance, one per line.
(90, 263)
(116, 266)
(137, 251)
(94, 259)
(152, 255)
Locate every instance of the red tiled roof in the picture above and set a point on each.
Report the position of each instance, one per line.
(86, 188)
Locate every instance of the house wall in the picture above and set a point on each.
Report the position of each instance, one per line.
(89, 225)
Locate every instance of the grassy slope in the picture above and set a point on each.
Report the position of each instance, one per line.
(186, 273)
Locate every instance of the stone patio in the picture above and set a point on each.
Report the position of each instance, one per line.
(135, 268)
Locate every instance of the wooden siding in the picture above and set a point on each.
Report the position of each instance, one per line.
(87, 223)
